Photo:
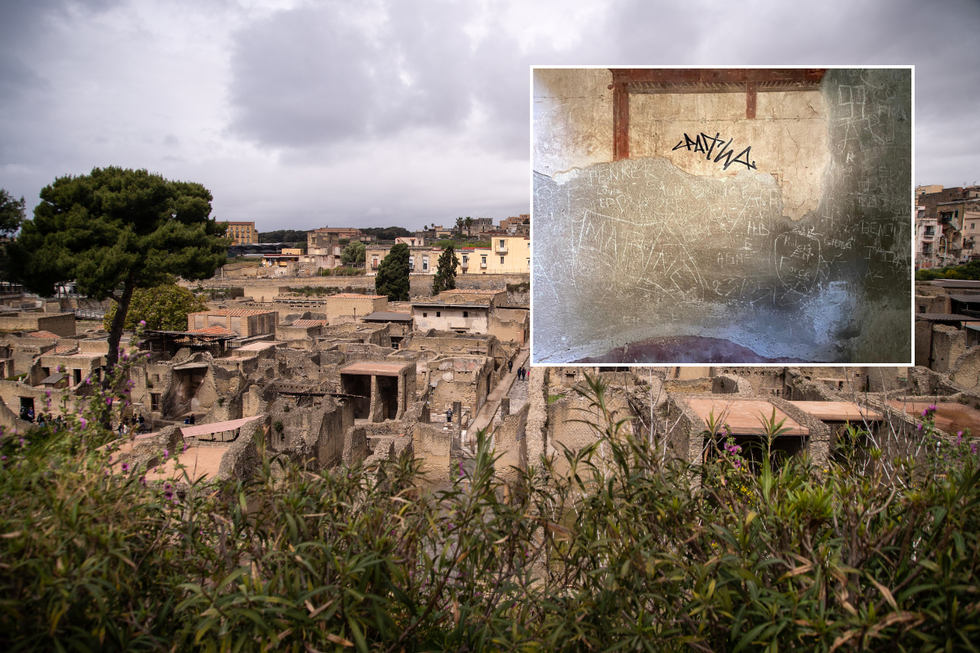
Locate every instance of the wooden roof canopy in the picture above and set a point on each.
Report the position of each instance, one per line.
(700, 80)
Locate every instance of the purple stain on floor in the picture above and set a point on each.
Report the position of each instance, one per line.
(684, 349)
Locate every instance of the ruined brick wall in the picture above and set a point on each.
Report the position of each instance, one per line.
(344, 305)
(465, 380)
(933, 303)
(510, 443)
(966, 370)
(948, 344)
(566, 430)
(62, 324)
(684, 440)
(923, 343)
(509, 325)
(819, 441)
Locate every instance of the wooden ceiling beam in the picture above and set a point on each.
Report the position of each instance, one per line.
(688, 76)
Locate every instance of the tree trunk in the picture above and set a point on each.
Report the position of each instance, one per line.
(115, 333)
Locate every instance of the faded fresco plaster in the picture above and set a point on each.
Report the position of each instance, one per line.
(643, 248)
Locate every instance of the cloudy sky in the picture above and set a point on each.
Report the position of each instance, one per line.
(304, 113)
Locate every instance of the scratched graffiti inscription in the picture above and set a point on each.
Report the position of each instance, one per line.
(640, 248)
(705, 144)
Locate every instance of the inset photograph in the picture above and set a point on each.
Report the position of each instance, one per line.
(759, 215)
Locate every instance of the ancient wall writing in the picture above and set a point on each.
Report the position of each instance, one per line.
(639, 248)
(706, 145)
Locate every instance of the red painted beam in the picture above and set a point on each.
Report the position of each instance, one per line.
(717, 75)
(621, 121)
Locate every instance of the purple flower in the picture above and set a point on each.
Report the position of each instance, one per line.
(143, 481)
(920, 427)
(125, 468)
(166, 454)
(932, 408)
(142, 323)
(83, 422)
(88, 380)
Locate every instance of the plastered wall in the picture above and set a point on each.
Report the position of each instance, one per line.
(796, 246)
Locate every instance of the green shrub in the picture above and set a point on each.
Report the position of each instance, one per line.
(626, 551)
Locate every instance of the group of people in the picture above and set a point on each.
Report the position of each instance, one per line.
(27, 413)
(128, 423)
(521, 371)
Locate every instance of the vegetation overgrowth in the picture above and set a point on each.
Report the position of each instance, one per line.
(341, 272)
(625, 552)
(163, 307)
(969, 271)
(461, 242)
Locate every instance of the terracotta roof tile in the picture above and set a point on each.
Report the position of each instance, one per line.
(234, 312)
(47, 335)
(309, 323)
(350, 295)
(214, 331)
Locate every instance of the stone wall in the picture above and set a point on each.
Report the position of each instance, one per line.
(567, 431)
(61, 324)
(948, 344)
(923, 343)
(510, 444)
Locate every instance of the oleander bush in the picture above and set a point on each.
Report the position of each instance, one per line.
(624, 553)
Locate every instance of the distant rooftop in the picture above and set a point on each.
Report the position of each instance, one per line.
(235, 312)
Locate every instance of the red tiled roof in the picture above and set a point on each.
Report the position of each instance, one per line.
(47, 335)
(64, 349)
(234, 312)
(214, 331)
(308, 323)
(352, 295)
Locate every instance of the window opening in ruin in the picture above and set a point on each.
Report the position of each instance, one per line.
(754, 450)
(438, 313)
(424, 314)
(46, 372)
(77, 376)
(388, 397)
(466, 314)
(501, 260)
(26, 406)
(187, 383)
(360, 386)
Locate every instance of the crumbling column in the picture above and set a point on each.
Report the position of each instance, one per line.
(375, 403)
